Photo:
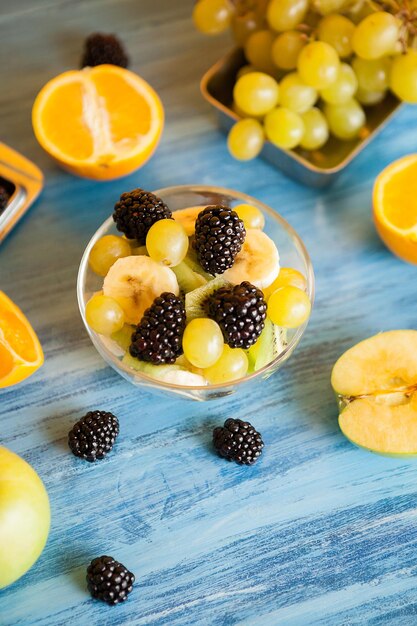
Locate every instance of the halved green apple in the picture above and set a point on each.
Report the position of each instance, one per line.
(376, 386)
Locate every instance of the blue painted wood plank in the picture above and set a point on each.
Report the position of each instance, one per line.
(318, 532)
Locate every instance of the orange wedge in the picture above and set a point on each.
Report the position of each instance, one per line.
(20, 351)
(101, 122)
(395, 207)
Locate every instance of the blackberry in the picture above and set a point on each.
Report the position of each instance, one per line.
(219, 236)
(93, 436)
(137, 211)
(240, 312)
(158, 337)
(109, 580)
(100, 48)
(238, 441)
(4, 198)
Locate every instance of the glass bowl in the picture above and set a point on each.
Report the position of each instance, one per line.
(292, 254)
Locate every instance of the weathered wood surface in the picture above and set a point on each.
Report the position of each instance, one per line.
(318, 532)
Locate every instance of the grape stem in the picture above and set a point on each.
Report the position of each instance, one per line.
(308, 32)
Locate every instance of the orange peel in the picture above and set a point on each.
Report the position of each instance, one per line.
(395, 207)
(20, 351)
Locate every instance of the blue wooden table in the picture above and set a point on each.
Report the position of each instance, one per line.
(318, 532)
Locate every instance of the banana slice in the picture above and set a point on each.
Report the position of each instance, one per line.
(187, 218)
(135, 282)
(176, 374)
(183, 377)
(257, 262)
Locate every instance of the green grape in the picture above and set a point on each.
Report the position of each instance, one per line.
(212, 17)
(328, 6)
(372, 75)
(376, 35)
(244, 115)
(258, 50)
(244, 25)
(316, 134)
(337, 30)
(345, 120)
(286, 49)
(344, 87)
(289, 307)
(250, 215)
(167, 242)
(404, 77)
(256, 93)
(202, 342)
(245, 69)
(284, 128)
(295, 95)
(369, 98)
(318, 64)
(398, 48)
(286, 14)
(106, 251)
(357, 11)
(246, 139)
(104, 315)
(232, 364)
(140, 251)
(287, 276)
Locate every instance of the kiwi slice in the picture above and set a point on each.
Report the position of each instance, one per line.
(270, 344)
(156, 371)
(192, 261)
(123, 337)
(183, 362)
(194, 300)
(188, 279)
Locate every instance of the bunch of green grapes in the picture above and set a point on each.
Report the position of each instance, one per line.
(313, 66)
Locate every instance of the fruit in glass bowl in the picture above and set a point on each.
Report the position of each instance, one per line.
(187, 310)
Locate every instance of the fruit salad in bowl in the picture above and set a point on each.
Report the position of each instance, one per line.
(195, 290)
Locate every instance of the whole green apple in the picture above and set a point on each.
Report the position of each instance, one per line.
(24, 517)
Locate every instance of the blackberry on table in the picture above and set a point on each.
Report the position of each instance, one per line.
(100, 48)
(137, 211)
(93, 436)
(240, 311)
(219, 236)
(238, 441)
(108, 580)
(158, 337)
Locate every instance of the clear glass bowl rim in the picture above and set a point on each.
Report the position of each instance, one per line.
(245, 199)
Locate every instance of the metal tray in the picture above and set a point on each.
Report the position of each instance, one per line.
(24, 182)
(317, 168)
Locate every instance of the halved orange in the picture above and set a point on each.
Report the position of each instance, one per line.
(20, 351)
(99, 122)
(395, 207)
